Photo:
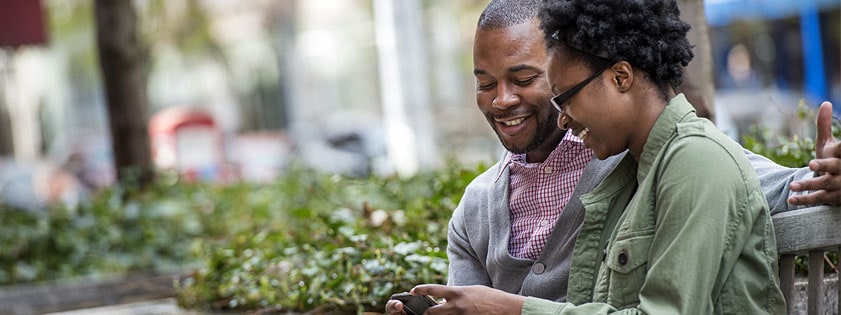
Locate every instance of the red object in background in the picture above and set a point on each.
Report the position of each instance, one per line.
(187, 140)
(21, 23)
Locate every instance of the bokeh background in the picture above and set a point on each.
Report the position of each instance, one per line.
(345, 86)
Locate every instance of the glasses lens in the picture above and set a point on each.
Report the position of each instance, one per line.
(560, 99)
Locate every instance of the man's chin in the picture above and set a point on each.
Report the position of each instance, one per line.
(516, 149)
(518, 145)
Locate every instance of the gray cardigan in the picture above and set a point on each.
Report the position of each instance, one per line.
(479, 229)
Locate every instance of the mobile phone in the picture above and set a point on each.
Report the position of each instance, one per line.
(414, 304)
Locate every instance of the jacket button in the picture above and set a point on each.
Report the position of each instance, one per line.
(538, 268)
(623, 257)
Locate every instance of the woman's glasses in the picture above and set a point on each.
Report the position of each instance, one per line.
(560, 99)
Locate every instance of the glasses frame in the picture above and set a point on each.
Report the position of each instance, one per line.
(559, 100)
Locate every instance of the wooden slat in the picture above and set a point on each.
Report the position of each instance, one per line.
(811, 231)
(808, 229)
(787, 280)
(84, 293)
(815, 290)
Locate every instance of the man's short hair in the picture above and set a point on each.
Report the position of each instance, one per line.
(505, 13)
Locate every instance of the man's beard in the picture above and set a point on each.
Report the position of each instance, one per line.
(544, 130)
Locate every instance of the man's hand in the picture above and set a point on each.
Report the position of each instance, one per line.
(476, 299)
(826, 186)
(394, 307)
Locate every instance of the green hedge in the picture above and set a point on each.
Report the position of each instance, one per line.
(306, 241)
(116, 232)
(330, 244)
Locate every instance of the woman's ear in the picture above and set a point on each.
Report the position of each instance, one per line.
(623, 76)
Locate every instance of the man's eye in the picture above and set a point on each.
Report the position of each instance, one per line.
(525, 81)
(484, 86)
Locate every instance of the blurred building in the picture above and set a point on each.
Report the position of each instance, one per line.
(350, 86)
(771, 54)
(358, 86)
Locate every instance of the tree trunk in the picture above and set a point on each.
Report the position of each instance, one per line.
(697, 76)
(6, 144)
(122, 60)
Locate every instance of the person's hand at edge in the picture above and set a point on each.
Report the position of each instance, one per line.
(475, 299)
(394, 307)
(825, 187)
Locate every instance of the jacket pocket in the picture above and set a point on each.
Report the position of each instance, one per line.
(627, 263)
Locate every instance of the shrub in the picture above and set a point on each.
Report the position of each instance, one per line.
(331, 244)
(308, 241)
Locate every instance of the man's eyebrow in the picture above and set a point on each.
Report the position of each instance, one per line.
(516, 68)
(523, 67)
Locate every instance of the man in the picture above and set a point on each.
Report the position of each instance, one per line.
(515, 227)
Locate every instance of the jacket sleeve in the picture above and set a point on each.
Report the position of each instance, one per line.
(775, 179)
(465, 266)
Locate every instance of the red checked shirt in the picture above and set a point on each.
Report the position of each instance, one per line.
(539, 192)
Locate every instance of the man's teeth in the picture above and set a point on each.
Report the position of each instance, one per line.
(583, 133)
(514, 122)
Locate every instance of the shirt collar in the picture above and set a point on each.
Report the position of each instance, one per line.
(568, 141)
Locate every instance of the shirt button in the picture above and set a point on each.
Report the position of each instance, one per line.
(538, 268)
(623, 257)
(544, 222)
(547, 169)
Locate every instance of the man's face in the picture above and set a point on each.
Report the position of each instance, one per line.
(511, 88)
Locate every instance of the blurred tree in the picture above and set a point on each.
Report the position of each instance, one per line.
(6, 146)
(192, 29)
(697, 76)
(123, 59)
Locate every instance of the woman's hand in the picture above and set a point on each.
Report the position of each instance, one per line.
(474, 299)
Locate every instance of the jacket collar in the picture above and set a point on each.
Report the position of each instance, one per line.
(664, 129)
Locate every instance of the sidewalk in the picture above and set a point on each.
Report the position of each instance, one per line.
(154, 307)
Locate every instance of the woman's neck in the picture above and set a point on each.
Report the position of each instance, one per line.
(651, 106)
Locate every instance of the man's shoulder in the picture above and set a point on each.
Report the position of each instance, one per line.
(485, 180)
(477, 191)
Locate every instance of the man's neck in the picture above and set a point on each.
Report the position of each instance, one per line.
(542, 152)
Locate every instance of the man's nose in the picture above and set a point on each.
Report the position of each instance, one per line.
(505, 97)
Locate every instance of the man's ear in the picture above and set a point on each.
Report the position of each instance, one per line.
(623, 76)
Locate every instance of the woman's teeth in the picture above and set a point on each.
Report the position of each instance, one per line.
(582, 133)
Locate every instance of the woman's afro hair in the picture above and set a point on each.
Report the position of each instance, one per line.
(648, 34)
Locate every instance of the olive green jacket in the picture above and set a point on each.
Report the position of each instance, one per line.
(685, 231)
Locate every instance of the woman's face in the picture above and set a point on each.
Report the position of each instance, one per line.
(594, 113)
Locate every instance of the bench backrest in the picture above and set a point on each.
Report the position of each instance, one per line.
(810, 231)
